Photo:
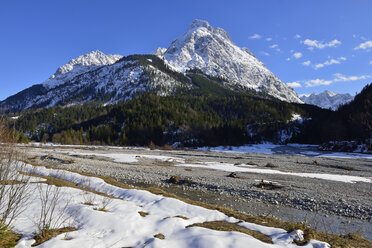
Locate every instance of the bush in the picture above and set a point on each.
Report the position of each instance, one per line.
(7, 237)
(13, 185)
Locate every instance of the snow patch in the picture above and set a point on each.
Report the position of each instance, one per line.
(122, 226)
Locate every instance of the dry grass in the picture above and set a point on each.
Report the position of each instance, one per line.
(233, 227)
(101, 209)
(336, 241)
(64, 183)
(143, 214)
(159, 236)
(182, 217)
(50, 234)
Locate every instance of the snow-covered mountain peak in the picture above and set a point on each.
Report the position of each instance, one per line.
(327, 99)
(197, 23)
(160, 51)
(329, 93)
(81, 64)
(212, 51)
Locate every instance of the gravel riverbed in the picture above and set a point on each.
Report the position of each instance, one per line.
(332, 206)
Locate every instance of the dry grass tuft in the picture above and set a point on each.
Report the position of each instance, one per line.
(143, 214)
(50, 234)
(233, 227)
(159, 236)
(182, 217)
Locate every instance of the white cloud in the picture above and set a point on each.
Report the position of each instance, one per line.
(255, 36)
(297, 36)
(274, 46)
(342, 78)
(297, 55)
(338, 77)
(306, 63)
(329, 62)
(317, 82)
(269, 39)
(370, 62)
(365, 45)
(320, 45)
(294, 85)
(265, 53)
(361, 37)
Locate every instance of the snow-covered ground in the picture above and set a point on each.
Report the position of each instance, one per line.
(126, 157)
(123, 226)
(251, 169)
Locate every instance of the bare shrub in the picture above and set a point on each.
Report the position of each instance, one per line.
(105, 202)
(89, 198)
(14, 186)
(53, 209)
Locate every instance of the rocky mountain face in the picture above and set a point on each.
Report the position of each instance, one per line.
(327, 99)
(107, 84)
(112, 78)
(82, 64)
(212, 51)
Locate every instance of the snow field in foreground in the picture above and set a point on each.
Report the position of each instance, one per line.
(123, 226)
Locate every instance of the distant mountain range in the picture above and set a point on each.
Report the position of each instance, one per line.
(327, 99)
(112, 78)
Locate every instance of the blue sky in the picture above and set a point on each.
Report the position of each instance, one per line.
(313, 45)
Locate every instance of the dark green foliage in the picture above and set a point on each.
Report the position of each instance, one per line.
(7, 237)
(217, 119)
(155, 61)
(352, 121)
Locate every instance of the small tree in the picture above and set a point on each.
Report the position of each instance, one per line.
(13, 185)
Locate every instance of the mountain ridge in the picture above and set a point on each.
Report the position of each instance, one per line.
(212, 51)
(82, 64)
(327, 99)
(112, 78)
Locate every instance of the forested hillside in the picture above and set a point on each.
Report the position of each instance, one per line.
(209, 115)
(224, 118)
(352, 121)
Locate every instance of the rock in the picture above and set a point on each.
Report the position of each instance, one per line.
(174, 179)
(233, 175)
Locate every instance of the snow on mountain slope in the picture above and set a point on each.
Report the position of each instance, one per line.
(80, 65)
(327, 99)
(212, 51)
(108, 84)
(111, 78)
